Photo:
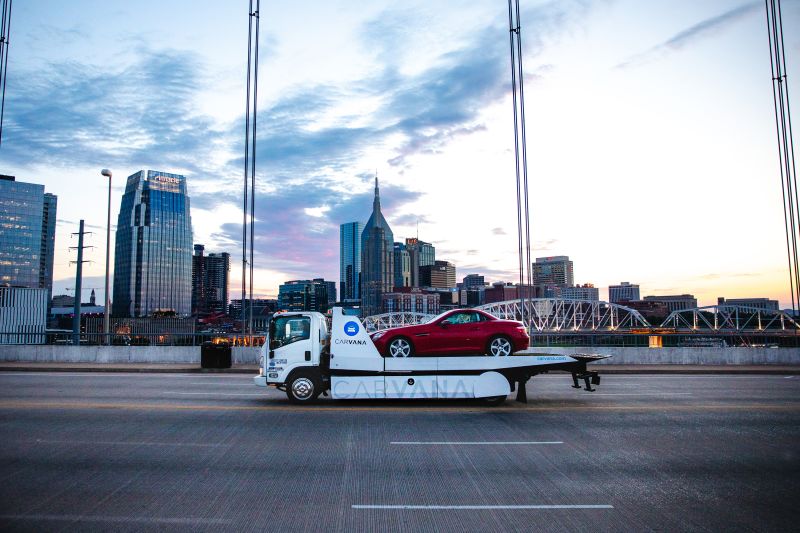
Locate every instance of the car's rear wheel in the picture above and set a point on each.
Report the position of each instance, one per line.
(400, 347)
(500, 347)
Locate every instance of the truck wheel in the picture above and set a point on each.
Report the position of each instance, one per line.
(302, 389)
(499, 347)
(400, 347)
(494, 400)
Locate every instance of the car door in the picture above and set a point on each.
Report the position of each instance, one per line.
(455, 334)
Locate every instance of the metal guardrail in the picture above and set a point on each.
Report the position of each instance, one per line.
(538, 340)
(149, 339)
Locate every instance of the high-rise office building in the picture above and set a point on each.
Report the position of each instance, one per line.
(440, 275)
(350, 260)
(677, 302)
(402, 265)
(473, 281)
(153, 252)
(377, 259)
(210, 281)
(331, 285)
(624, 292)
(581, 292)
(27, 235)
(304, 295)
(758, 303)
(556, 271)
(421, 254)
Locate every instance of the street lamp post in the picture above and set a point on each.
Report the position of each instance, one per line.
(107, 311)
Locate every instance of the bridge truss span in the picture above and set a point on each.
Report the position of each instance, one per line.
(394, 320)
(556, 314)
(731, 318)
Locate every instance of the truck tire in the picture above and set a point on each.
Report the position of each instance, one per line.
(302, 387)
(493, 401)
(499, 346)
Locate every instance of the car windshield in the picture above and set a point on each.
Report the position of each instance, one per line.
(285, 330)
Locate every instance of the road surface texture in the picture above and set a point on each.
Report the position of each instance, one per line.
(99, 451)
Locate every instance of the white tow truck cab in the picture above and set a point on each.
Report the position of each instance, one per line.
(304, 359)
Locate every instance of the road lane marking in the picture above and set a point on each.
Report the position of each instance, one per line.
(643, 394)
(211, 393)
(485, 443)
(116, 519)
(407, 409)
(479, 507)
(123, 443)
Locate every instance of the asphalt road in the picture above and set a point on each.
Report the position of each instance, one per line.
(214, 452)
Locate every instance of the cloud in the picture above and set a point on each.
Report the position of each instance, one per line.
(498, 231)
(289, 239)
(69, 114)
(691, 35)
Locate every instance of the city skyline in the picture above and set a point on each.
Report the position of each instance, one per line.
(431, 110)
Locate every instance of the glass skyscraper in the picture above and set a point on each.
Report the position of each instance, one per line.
(350, 260)
(153, 252)
(27, 234)
(377, 259)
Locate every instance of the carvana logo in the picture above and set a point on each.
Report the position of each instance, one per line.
(351, 328)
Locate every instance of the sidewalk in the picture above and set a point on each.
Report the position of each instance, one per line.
(253, 369)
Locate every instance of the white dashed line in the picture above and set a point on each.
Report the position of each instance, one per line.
(480, 507)
(479, 443)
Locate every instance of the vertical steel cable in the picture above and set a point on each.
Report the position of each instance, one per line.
(511, 32)
(5, 36)
(524, 144)
(787, 167)
(792, 167)
(253, 169)
(246, 165)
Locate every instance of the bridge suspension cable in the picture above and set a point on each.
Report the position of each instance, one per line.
(520, 156)
(783, 127)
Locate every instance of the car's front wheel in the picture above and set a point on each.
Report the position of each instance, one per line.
(400, 347)
(500, 347)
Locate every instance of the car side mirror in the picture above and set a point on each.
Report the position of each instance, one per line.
(444, 325)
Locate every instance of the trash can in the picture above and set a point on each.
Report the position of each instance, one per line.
(215, 355)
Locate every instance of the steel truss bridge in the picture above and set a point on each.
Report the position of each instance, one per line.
(559, 316)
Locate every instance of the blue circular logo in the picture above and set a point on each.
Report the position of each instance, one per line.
(351, 328)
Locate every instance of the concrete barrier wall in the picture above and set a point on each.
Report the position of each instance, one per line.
(242, 355)
(633, 355)
(116, 354)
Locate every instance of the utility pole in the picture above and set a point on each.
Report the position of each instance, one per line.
(76, 318)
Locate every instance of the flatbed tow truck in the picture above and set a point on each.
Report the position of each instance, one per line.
(303, 358)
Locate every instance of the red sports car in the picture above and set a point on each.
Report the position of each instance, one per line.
(462, 331)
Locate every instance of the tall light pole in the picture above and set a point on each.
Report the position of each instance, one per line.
(107, 311)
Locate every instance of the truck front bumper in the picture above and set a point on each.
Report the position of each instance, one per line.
(261, 381)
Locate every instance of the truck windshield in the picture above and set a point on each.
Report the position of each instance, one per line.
(288, 329)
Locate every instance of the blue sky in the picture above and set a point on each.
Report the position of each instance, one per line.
(651, 143)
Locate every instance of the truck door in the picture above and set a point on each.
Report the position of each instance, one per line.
(290, 344)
